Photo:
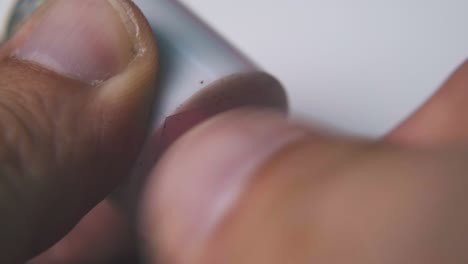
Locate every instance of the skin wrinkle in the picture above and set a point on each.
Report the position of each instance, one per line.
(31, 106)
(14, 170)
(32, 146)
(10, 141)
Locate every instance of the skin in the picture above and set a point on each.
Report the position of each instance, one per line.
(57, 159)
(325, 198)
(320, 198)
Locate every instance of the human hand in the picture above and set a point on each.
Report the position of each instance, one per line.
(75, 100)
(76, 96)
(254, 187)
(248, 186)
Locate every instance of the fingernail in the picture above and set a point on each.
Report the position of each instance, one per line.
(203, 175)
(84, 39)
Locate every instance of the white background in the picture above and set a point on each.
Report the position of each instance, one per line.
(358, 65)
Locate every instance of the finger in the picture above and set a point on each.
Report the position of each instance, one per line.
(194, 190)
(442, 119)
(76, 88)
(253, 187)
(104, 235)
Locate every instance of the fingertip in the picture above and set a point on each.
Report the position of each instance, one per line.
(438, 121)
(204, 173)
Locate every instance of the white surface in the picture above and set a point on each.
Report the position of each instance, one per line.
(5, 10)
(360, 65)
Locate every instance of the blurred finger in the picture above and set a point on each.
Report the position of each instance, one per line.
(253, 187)
(443, 119)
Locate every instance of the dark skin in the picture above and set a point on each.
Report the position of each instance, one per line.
(320, 197)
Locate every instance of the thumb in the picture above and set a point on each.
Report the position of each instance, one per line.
(253, 187)
(76, 90)
(215, 197)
